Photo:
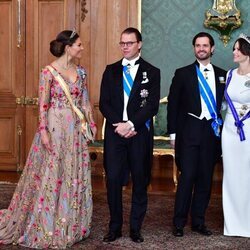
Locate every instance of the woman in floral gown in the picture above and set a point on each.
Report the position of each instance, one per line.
(52, 204)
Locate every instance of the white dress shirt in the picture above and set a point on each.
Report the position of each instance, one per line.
(133, 70)
(208, 73)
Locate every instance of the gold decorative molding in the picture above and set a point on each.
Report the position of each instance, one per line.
(84, 11)
(139, 14)
(19, 35)
(223, 17)
(19, 145)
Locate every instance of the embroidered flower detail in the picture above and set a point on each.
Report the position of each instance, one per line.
(84, 230)
(144, 77)
(74, 227)
(35, 148)
(222, 79)
(41, 200)
(144, 93)
(57, 232)
(59, 182)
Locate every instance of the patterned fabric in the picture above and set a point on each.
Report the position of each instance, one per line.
(52, 204)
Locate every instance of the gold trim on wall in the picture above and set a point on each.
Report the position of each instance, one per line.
(84, 11)
(139, 14)
(223, 17)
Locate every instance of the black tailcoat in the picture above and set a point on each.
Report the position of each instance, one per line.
(196, 146)
(133, 154)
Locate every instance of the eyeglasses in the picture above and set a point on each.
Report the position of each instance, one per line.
(128, 44)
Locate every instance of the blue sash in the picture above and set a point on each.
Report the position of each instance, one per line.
(127, 81)
(127, 86)
(238, 122)
(208, 97)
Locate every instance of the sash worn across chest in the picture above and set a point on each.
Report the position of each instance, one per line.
(128, 84)
(208, 97)
(127, 80)
(238, 122)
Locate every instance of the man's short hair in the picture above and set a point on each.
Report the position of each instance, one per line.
(131, 30)
(204, 34)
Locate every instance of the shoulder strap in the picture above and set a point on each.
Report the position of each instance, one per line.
(66, 91)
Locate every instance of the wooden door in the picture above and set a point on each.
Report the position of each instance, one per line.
(26, 29)
(12, 82)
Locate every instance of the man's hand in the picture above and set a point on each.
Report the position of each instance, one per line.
(172, 143)
(124, 129)
(130, 134)
(94, 131)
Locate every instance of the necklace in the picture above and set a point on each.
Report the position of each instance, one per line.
(70, 65)
(243, 72)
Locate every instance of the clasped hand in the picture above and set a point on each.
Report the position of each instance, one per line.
(124, 129)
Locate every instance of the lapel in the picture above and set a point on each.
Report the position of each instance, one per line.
(118, 78)
(194, 88)
(217, 86)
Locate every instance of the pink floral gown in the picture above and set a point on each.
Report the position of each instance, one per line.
(52, 204)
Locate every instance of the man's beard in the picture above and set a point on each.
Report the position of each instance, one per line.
(203, 57)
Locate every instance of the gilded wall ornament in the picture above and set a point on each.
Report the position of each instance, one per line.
(223, 17)
(84, 11)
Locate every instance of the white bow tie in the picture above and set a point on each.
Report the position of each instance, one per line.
(132, 63)
(208, 67)
(126, 62)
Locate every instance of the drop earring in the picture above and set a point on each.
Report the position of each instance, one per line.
(67, 57)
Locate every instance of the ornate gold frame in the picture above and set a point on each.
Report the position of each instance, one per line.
(223, 17)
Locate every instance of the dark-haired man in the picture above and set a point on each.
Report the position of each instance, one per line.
(194, 123)
(129, 98)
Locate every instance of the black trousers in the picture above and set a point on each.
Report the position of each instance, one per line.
(120, 156)
(197, 156)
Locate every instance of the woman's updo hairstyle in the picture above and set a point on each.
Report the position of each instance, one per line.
(244, 44)
(66, 37)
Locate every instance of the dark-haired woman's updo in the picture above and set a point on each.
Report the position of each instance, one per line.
(66, 37)
(244, 45)
(57, 48)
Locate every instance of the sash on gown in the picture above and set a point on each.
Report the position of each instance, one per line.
(238, 122)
